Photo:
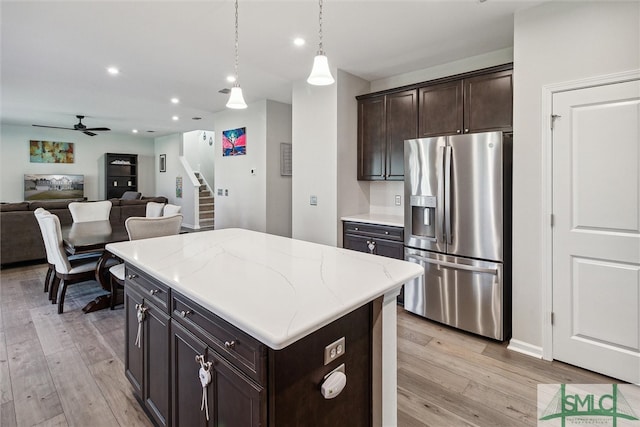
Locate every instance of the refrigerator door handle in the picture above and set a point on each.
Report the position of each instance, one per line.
(441, 212)
(455, 266)
(447, 195)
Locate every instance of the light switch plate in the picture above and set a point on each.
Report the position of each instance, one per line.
(398, 200)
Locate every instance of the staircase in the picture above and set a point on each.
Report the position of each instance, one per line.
(206, 205)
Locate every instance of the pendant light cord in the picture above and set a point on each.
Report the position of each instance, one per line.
(236, 64)
(320, 50)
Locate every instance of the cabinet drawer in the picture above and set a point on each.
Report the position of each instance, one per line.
(242, 350)
(383, 247)
(152, 289)
(374, 230)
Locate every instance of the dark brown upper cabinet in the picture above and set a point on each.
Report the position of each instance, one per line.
(474, 104)
(384, 123)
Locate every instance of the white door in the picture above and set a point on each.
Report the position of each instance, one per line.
(596, 232)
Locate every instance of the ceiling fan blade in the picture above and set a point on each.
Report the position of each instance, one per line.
(89, 133)
(53, 127)
(98, 129)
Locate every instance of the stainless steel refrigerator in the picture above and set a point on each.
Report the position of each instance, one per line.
(458, 226)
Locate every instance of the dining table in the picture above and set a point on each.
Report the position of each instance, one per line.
(91, 237)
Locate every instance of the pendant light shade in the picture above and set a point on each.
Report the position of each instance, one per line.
(320, 73)
(236, 100)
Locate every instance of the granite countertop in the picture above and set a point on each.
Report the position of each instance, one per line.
(276, 289)
(371, 218)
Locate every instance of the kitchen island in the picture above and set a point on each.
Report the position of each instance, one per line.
(264, 315)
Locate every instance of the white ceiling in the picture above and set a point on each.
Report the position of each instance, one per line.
(55, 54)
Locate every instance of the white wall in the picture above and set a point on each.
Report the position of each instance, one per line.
(199, 153)
(245, 206)
(555, 42)
(278, 196)
(383, 195)
(315, 162)
(171, 145)
(89, 159)
(353, 195)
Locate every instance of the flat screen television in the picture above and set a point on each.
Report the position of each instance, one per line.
(53, 187)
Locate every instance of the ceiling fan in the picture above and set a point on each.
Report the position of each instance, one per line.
(79, 126)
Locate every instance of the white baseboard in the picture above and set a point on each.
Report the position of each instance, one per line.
(525, 348)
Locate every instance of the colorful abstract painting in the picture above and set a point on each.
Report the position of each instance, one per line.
(234, 142)
(51, 152)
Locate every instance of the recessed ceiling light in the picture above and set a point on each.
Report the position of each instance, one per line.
(299, 41)
(175, 118)
(175, 100)
(113, 71)
(135, 131)
(231, 79)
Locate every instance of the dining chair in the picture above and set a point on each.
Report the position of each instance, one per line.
(154, 209)
(90, 211)
(138, 228)
(170, 209)
(51, 271)
(65, 272)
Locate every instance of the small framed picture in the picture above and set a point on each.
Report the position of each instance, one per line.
(163, 162)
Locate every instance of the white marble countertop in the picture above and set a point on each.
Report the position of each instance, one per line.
(276, 289)
(371, 218)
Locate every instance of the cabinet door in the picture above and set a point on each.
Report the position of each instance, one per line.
(187, 390)
(371, 139)
(233, 399)
(488, 102)
(402, 117)
(133, 356)
(237, 400)
(156, 336)
(440, 109)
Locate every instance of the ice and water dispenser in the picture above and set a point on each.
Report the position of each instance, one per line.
(423, 216)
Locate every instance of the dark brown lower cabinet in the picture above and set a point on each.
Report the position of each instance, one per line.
(232, 398)
(147, 365)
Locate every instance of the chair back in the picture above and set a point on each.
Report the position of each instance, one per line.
(90, 211)
(144, 228)
(53, 233)
(39, 213)
(170, 209)
(154, 209)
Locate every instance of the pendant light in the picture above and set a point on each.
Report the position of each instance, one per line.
(320, 73)
(236, 100)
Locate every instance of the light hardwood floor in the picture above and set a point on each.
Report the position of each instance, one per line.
(67, 370)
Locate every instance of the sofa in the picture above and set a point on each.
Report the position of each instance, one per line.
(20, 237)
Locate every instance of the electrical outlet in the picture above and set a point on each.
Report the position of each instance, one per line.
(398, 200)
(313, 200)
(226, 192)
(334, 350)
(219, 191)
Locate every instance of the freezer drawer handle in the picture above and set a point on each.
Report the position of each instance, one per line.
(493, 271)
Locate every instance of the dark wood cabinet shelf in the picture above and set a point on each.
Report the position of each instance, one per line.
(477, 101)
(121, 174)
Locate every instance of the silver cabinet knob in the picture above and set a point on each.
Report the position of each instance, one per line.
(458, 131)
(132, 276)
(356, 229)
(466, 131)
(154, 291)
(230, 344)
(386, 232)
(185, 313)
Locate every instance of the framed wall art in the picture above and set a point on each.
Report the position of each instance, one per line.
(234, 142)
(163, 162)
(51, 152)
